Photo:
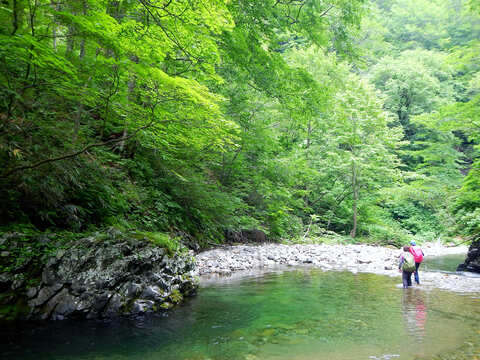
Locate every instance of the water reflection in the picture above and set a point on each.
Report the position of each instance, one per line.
(414, 311)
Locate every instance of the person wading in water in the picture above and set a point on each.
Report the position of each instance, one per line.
(406, 266)
(418, 257)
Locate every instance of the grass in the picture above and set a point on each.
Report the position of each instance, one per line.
(160, 239)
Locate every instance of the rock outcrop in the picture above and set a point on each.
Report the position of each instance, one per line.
(472, 262)
(99, 277)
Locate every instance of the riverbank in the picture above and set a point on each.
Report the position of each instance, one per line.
(355, 258)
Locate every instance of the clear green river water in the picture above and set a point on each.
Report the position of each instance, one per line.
(297, 314)
(443, 263)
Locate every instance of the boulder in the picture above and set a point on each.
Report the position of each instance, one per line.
(104, 276)
(472, 262)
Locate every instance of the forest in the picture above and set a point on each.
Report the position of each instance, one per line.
(310, 120)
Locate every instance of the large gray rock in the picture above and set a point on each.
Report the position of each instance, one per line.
(472, 262)
(104, 276)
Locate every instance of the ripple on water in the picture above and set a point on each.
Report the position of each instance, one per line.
(299, 314)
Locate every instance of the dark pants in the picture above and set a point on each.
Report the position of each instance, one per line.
(417, 279)
(406, 278)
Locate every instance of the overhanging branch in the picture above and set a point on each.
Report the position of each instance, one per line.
(76, 153)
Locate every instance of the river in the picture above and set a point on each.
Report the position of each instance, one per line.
(283, 314)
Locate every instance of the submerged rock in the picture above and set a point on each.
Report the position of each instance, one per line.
(102, 277)
(472, 262)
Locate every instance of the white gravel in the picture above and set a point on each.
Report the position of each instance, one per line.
(354, 258)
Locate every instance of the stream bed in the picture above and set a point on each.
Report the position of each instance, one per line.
(284, 314)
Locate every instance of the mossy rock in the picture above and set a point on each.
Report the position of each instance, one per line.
(166, 305)
(176, 296)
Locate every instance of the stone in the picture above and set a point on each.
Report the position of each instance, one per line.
(472, 262)
(142, 306)
(49, 276)
(63, 304)
(113, 307)
(18, 281)
(32, 292)
(152, 293)
(98, 277)
(78, 286)
(364, 261)
(45, 294)
(60, 253)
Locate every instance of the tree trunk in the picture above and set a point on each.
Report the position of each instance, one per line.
(309, 134)
(82, 44)
(15, 16)
(132, 82)
(353, 233)
(76, 122)
(55, 7)
(70, 41)
(306, 200)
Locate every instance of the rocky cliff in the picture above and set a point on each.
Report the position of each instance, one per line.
(95, 277)
(472, 262)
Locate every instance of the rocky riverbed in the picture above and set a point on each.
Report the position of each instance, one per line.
(234, 260)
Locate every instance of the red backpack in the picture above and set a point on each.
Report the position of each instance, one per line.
(417, 253)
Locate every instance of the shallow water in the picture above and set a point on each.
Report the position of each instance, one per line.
(443, 263)
(297, 314)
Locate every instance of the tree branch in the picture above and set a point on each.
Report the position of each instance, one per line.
(72, 155)
(168, 34)
(326, 11)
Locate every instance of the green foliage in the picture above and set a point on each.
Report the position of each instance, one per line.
(145, 80)
(415, 82)
(468, 222)
(163, 240)
(471, 188)
(428, 78)
(174, 118)
(428, 24)
(389, 233)
(27, 251)
(415, 218)
(176, 296)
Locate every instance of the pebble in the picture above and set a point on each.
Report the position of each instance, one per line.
(354, 258)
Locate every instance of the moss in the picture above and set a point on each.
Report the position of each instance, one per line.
(101, 237)
(163, 240)
(166, 305)
(176, 296)
(16, 311)
(127, 307)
